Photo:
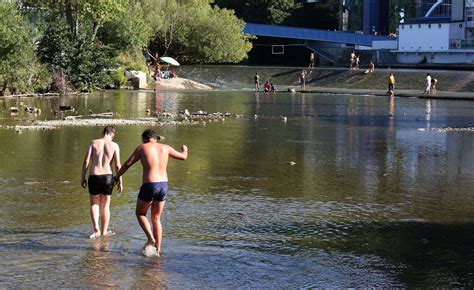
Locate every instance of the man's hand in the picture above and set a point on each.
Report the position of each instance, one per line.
(184, 148)
(119, 185)
(83, 183)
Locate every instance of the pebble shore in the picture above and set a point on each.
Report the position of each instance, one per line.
(161, 119)
(447, 129)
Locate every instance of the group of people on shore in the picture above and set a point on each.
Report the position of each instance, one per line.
(268, 87)
(430, 85)
(355, 62)
(429, 89)
(354, 65)
(159, 72)
(101, 154)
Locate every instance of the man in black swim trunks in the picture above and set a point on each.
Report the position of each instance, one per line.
(99, 157)
(154, 160)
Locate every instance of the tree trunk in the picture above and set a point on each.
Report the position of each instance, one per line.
(70, 17)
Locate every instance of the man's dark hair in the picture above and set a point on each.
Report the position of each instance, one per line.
(149, 134)
(108, 130)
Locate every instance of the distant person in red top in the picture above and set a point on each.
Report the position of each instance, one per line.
(267, 86)
(256, 78)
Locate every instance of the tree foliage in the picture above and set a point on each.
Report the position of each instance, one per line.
(81, 41)
(19, 72)
(196, 32)
(70, 46)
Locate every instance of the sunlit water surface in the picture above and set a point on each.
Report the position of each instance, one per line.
(371, 201)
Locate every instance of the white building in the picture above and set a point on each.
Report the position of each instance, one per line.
(444, 34)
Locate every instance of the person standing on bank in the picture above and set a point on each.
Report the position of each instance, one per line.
(154, 159)
(391, 85)
(303, 79)
(256, 78)
(311, 60)
(99, 157)
(428, 84)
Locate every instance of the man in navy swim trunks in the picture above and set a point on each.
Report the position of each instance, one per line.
(99, 157)
(154, 160)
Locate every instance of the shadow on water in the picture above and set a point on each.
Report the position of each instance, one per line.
(421, 254)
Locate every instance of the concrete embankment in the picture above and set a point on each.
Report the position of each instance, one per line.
(410, 82)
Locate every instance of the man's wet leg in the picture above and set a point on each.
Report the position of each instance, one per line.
(105, 213)
(94, 210)
(156, 211)
(140, 212)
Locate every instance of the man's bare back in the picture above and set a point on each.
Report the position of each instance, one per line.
(154, 159)
(100, 156)
(103, 153)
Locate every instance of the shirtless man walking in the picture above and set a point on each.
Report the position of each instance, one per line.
(154, 159)
(99, 157)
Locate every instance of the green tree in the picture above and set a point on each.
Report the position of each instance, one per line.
(197, 32)
(70, 46)
(18, 67)
(216, 37)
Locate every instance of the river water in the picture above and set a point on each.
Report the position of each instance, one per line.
(371, 200)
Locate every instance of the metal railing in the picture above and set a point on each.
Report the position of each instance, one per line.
(461, 43)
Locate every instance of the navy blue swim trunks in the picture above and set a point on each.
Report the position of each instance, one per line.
(153, 191)
(101, 184)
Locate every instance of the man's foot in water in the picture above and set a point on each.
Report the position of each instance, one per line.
(95, 235)
(108, 234)
(149, 243)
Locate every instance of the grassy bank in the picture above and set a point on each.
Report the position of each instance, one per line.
(407, 79)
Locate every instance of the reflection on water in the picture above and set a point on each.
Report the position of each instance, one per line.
(345, 193)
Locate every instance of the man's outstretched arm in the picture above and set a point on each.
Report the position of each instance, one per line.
(130, 161)
(183, 155)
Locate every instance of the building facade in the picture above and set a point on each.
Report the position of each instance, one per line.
(442, 32)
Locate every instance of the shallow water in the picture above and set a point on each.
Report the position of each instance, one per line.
(371, 201)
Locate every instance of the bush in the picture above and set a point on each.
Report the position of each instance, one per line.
(118, 78)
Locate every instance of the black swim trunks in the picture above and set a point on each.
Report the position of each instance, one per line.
(101, 184)
(153, 191)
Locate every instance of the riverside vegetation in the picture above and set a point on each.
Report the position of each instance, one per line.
(82, 45)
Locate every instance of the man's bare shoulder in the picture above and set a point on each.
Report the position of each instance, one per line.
(162, 147)
(96, 142)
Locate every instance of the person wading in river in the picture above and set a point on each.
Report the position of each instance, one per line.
(153, 192)
(99, 157)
